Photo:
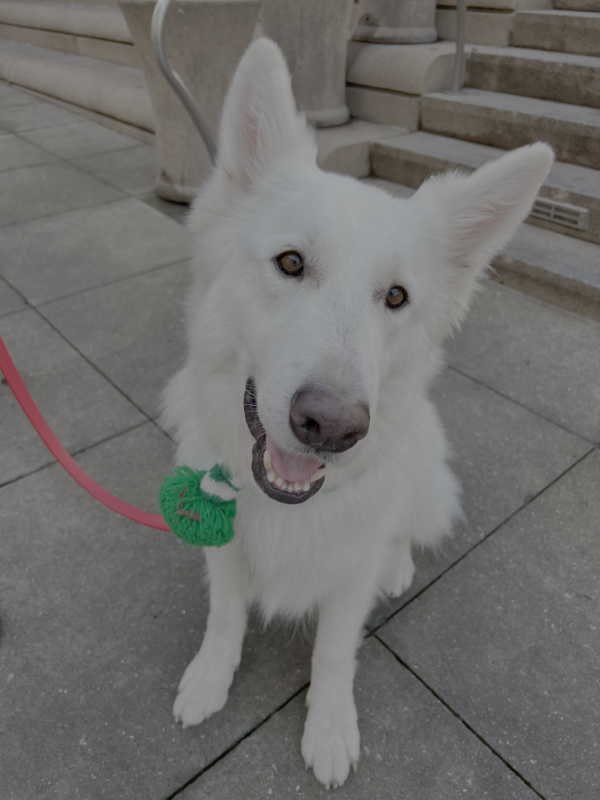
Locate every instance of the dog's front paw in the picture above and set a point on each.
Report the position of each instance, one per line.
(398, 572)
(331, 741)
(203, 689)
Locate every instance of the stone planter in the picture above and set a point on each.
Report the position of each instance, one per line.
(204, 41)
(313, 35)
(396, 21)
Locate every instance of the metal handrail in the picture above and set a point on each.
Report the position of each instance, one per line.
(459, 58)
(156, 32)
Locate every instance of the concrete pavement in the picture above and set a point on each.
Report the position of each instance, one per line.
(482, 681)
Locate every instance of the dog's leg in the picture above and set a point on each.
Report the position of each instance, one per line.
(397, 568)
(205, 684)
(331, 742)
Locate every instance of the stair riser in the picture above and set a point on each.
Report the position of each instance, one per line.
(578, 5)
(573, 142)
(561, 34)
(561, 82)
(554, 289)
(411, 169)
(116, 52)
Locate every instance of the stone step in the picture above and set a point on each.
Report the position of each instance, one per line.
(117, 96)
(544, 264)
(112, 92)
(555, 268)
(563, 31)
(578, 5)
(409, 160)
(561, 77)
(96, 31)
(385, 81)
(508, 121)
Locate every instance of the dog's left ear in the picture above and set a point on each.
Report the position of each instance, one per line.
(260, 122)
(478, 214)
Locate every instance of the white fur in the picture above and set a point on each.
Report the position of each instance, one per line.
(339, 550)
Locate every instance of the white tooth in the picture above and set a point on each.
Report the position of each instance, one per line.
(297, 487)
(278, 481)
(271, 476)
(289, 487)
(306, 486)
(318, 474)
(267, 460)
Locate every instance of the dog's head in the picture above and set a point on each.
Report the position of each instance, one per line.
(321, 302)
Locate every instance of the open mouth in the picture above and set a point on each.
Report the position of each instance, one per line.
(283, 477)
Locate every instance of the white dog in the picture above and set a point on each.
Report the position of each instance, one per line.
(316, 320)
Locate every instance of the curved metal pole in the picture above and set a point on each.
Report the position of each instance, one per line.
(158, 21)
(459, 58)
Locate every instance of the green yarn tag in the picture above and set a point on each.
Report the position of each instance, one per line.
(199, 506)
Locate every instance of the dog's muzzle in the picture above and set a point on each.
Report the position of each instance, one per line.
(261, 468)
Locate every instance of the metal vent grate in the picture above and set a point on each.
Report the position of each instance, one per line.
(561, 213)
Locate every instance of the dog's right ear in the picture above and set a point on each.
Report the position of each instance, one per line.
(260, 122)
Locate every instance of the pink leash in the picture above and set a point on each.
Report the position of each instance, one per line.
(20, 391)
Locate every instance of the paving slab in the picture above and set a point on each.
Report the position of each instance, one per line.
(510, 638)
(11, 97)
(22, 116)
(47, 189)
(503, 455)
(101, 617)
(10, 301)
(132, 330)
(14, 153)
(80, 406)
(134, 170)
(540, 356)
(412, 747)
(61, 255)
(78, 139)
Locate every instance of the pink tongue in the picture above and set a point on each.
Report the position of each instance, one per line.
(290, 467)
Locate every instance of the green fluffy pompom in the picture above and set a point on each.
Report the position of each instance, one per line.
(199, 506)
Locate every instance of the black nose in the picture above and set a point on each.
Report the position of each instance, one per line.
(323, 421)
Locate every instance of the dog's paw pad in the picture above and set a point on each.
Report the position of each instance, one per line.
(331, 743)
(399, 578)
(202, 691)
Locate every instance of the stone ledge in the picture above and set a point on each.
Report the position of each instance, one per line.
(99, 22)
(108, 89)
(116, 52)
(414, 69)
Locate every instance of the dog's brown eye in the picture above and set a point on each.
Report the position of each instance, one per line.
(290, 263)
(396, 297)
